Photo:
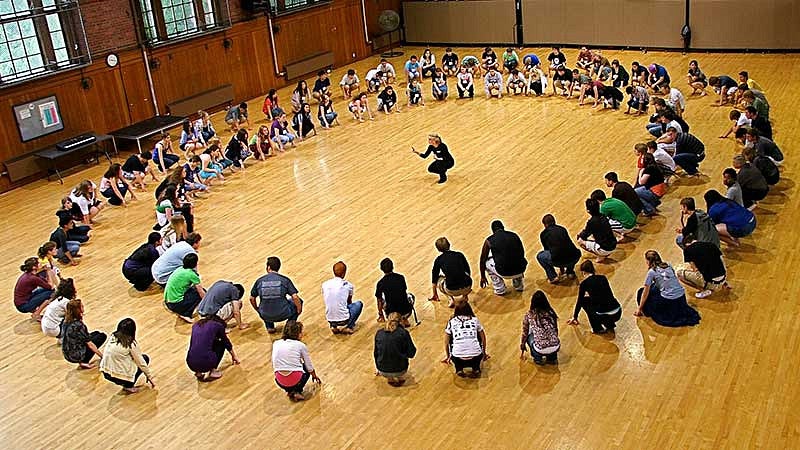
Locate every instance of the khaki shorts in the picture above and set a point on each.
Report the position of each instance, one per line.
(449, 293)
(226, 312)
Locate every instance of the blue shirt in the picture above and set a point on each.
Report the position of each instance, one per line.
(731, 214)
(273, 289)
(531, 60)
(665, 282)
(412, 66)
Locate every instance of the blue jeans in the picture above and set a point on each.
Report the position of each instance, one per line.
(538, 357)
(269, 322)
(545, 260)
(687, 161)
(355, 309)
(649, 200)
(73, 247)
(655, 129)
(283, 138)
(38, 296)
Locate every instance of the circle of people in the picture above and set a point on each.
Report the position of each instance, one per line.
(170, 256)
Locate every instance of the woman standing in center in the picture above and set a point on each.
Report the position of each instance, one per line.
(443, 159)
(663, 298)
(465, 341)
(207, 347)
(291, 361)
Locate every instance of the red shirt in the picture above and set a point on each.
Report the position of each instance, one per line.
(26, 284)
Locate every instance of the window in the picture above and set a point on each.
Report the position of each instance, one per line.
(280, 7)
(168, 20)
(38, 37)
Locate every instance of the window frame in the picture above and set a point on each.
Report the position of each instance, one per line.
(71, 30)
(161, 37)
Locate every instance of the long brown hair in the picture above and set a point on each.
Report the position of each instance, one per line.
(73, 311)
(126, 332)
(654, 260)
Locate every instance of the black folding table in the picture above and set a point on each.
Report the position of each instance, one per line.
(54, 155)
(145, 128)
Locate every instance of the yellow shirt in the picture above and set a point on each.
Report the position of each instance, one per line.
(752, 84)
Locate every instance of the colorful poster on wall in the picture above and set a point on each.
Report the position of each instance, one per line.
(49, 114)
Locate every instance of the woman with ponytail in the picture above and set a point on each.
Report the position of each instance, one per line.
(393, 349)
(662, 298)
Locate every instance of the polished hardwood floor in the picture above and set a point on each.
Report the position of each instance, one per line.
(356, 193)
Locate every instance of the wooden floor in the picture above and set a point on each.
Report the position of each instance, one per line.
(357, 193)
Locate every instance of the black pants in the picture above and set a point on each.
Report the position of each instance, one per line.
(125, 383)
(749, 196)
(186, 307)
(536, 87)
(112, 196)
(462, 363)
(463, 90)
(186, 212)
(97, 338)
(440, 167)
(601, 322)
(141, 279)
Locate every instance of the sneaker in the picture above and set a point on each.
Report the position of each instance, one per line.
(704, 294)
(538, 361)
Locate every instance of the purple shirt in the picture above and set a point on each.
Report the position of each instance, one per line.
(207, 345)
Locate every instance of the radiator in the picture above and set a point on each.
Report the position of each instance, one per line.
(24, 166)
(311, 64)
(189, 106)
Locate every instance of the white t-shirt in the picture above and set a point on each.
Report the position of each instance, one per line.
(336, 291)
(386, 68)
(371, 74)
(290, 355)
(83, 203)
(743, 121)
(53, 316)
(662, 157)
(676, 98)
(464, 331)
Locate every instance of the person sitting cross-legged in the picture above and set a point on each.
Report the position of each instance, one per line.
(183, 291)
(557, 251)
(340, 310)
(278, 298)
(503, 256)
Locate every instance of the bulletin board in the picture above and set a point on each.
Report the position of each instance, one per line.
(38, 118)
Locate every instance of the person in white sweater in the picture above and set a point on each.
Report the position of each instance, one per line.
(291, 362)
(123, 363)
(54, 313)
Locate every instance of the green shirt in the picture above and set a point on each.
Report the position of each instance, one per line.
(617, 209)
(178, 283)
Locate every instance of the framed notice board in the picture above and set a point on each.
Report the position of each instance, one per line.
(38, 118)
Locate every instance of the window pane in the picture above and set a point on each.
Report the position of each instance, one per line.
(5, 53)
(27, 28)
(21, 65)
(6, 69)
(62, 56)
(17, 49)
(12, 31)
(31, 46)
(47, 3)
(36, 61)
(6, 7)
(21, 6)
(53, 23)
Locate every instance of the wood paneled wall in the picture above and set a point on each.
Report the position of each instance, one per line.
(635, 23)
(374, 9)
(337, 27)
(450, 22)
(120, 96)
(744, 24)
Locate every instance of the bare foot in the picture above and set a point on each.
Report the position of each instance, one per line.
(296, 397)
(85, 366)
(132, 390)
(215, 375)
(186, 319)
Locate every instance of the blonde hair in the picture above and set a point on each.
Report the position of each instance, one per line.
(436, 137)
(393, 321)
(178, 223)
